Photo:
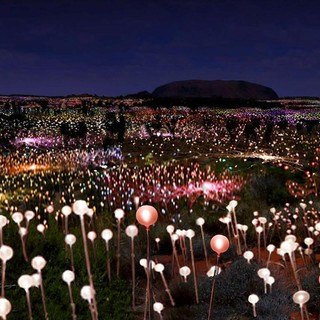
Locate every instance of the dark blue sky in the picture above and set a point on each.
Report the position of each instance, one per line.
(114, 47)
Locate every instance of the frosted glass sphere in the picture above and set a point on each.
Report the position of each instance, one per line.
(6, 253)
(80, 207)
(136, 200)
(262, 220)
(38, 263)
(190, 233)
(301, 297)
(303, 206)
(219, 244)
(70, 239)
(66, 210)
(132, 231)
(200, 221)
(91, 235)
(270, 280)
(5, 307)
(23, 231)
(152, 264)
(248, 255)
(3, 221)
(36, 279)
(259, 229)
(214, 270)
(90, 212)
(233, 203)
(308, 241)
(25, 281)
(159, 267)
(147, 215)
(170, 228)
(271, 248)
(264, 273)
(50, 209)
(273, 210)
(291, 238)
(119, 214)
(106, 234)
(29, 215)
(68, 276)
(184, 271)
(158, 307)
(287, 246)
(17, 217)
(174, 237)
(253, 298)
(41, 227)
(87, 293)
(143, 263)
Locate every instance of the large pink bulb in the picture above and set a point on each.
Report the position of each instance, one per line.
(147, 215)
(219, 244)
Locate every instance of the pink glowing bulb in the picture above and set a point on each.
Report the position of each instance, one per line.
(147, 215)
(219, 244)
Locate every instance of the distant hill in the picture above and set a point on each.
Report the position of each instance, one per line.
(232, 89)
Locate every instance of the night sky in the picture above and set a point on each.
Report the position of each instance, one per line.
(112, 47)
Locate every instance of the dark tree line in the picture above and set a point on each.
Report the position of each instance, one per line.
(232, 126)
(115, 126)
(73, 131)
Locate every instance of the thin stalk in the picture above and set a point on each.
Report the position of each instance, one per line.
(86, 254)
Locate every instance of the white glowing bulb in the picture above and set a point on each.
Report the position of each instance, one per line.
(5, 307)
(248, 255)
(66, 210)
(158, 307)
(17, 217)
(308, 241)
(190, 233)
(214, 270)
(36, 279)
(119, 214)
(38, 263)
(6, 253)
(143, 262)
(200, 221)
(41, 227)
(29, 215)
(264, 273)
(70, 239)
(131, 231)
(271, 248)
(87, 293)
(184, 271)
(68, 276)
(170, 229)
(301, 297)
(91, 235)
(3, 221)
(80, 207)
(26, 282)
(23, 231)
(106, 234)
(50, 209)
(159, 267)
